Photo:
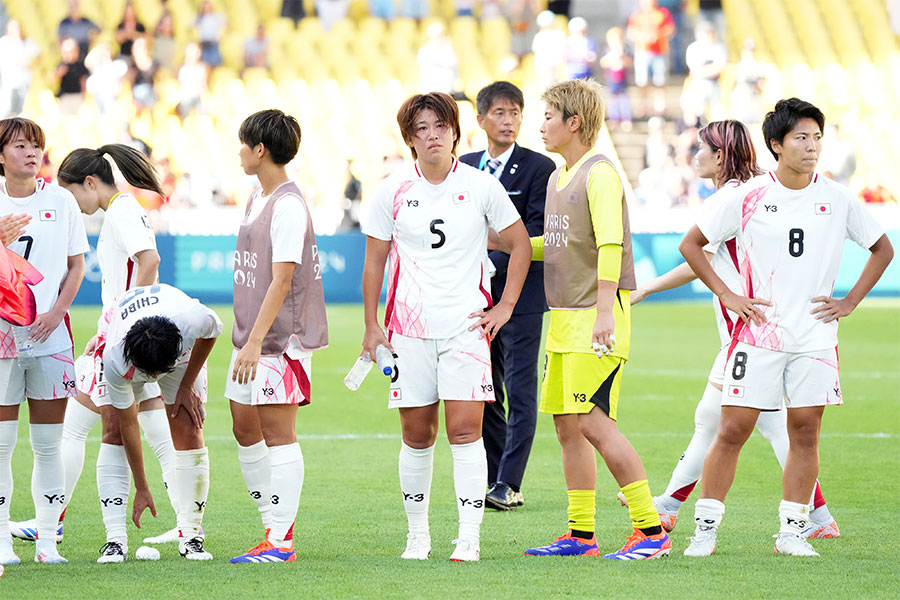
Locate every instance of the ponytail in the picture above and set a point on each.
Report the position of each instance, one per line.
(134, 166)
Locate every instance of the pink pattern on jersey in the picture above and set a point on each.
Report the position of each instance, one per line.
(398, 196)
(750, 203)
(404, 312)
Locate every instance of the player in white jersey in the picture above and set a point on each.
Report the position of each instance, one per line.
(158, 334)
(726, 156)
(36, 362)
(790, 226)
(431, 221)
(126, 252)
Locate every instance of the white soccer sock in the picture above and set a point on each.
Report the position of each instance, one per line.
(156, 430)
(191, 489)
(287, 483)
(773, 426)
(469, 475)
(794, 517)
(256, 468)
(113, 485)
(48, 481)
(416, 466)
(708, 513)
(9, 433)
(690, 466)
(78, 423)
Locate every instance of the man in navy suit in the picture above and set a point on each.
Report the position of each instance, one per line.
(514, 352)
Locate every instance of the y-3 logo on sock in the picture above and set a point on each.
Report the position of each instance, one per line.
(705, 524)
(275, 499)
(801, 523)
(55, 498)
(2, 500)
(414, 497)
(473, 503)
(256, 495)
(200, 506)
(113, 501)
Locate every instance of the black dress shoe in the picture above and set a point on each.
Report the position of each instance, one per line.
(500, 497)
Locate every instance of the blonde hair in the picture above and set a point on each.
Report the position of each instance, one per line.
(582, 97)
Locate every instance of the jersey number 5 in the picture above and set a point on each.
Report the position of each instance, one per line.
(440, 234)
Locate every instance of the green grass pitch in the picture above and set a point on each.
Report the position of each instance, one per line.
(351, 526)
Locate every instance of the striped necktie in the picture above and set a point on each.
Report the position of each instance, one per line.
(492, 165)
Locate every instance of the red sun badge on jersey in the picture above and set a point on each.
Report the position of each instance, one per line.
(396, 395)
(736, 391)
(460, 197)
(823, 208)
(48, 215)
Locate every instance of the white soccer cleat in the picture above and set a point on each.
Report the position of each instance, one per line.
(7, 556)
(48, 555)
(193, 549)
(466, 551)
(703, 543)
(113, 552)
(418, 546)
(793, 544)
(621, 498)
(822, 530)
(27, 530)
(169, 537)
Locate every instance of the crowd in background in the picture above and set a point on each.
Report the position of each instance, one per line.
(657, 48)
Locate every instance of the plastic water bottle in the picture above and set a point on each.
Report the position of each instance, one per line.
(360, 369)
(385, 360)
(24, 347)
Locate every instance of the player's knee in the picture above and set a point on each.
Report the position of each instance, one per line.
(733, 433)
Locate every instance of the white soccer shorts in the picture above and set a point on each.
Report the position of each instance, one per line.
(278, 380)
(86, 382)
(51, 377)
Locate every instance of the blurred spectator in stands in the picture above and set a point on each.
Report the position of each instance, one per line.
(649, 28)
(706, 56)
(877, 194)
(382, 9)
(105, 81)
(192, 80)
(678, 42)
(658, 151)
(581, 51)
(352, 201)
(164, 45)
(549, 47)
(711, 11)
(747, 97)
(78, 28)
(837, 160)
(209, 26)
(437, 61)
(464, 8)
(71, 75)
(3, 16)
(15, 74)
(521, 15)
(415, 9)
(893, 7)
(615, 63)
(331, 11)
(559, 7)
(128, 30)
(491, 9)
(143, 75)
(293, 9)
(256, 49)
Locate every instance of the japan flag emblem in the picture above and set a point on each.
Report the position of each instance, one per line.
(48, 215)
(460, 197)
(396, 394)
(823, 208)
(736, 391)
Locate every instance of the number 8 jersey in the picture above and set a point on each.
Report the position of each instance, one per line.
(438, 233)
(789, 248)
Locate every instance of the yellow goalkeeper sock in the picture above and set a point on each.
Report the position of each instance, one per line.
(581, 510)
(640, 505)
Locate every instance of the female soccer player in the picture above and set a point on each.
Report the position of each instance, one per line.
(127, 256)
(36, 362)
(727, 157)
(432, 220)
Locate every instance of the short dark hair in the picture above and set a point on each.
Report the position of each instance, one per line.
(153, 345)
(12, 127)
(444, 107)
(498, 89)
(779, 122)
(278, 132)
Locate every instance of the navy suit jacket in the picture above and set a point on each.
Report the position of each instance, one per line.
(525, 178)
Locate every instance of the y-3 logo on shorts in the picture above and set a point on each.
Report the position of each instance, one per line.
(580, 397)
(487, 388)
(69, 385)
(268, 391)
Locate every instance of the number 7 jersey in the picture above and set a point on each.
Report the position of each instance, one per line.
(438, 254)
(789, 248)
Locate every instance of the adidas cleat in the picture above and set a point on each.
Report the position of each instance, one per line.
(793, 544)
(703, 543)
(418, 546)
(621, 498)
(640, 546)
(169, 537)
(567, 545)
(48, 556)
(820, 531)
(113, 552)
(193, 549)
(666, 519)
(27, 530)
(7, 556)
(467, 550)
(266, 553)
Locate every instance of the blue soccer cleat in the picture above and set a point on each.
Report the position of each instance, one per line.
(266, 552)
(567, 545)
(643, 547)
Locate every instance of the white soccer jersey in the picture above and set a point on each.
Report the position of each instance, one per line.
(724, 263)
(789, 247)
(193, 319)
(126, 231)
(438, 236)
(55, 233)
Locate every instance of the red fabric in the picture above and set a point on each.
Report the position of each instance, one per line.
(17, 303)
(818, 498)
(684, 492)
(302, 379)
